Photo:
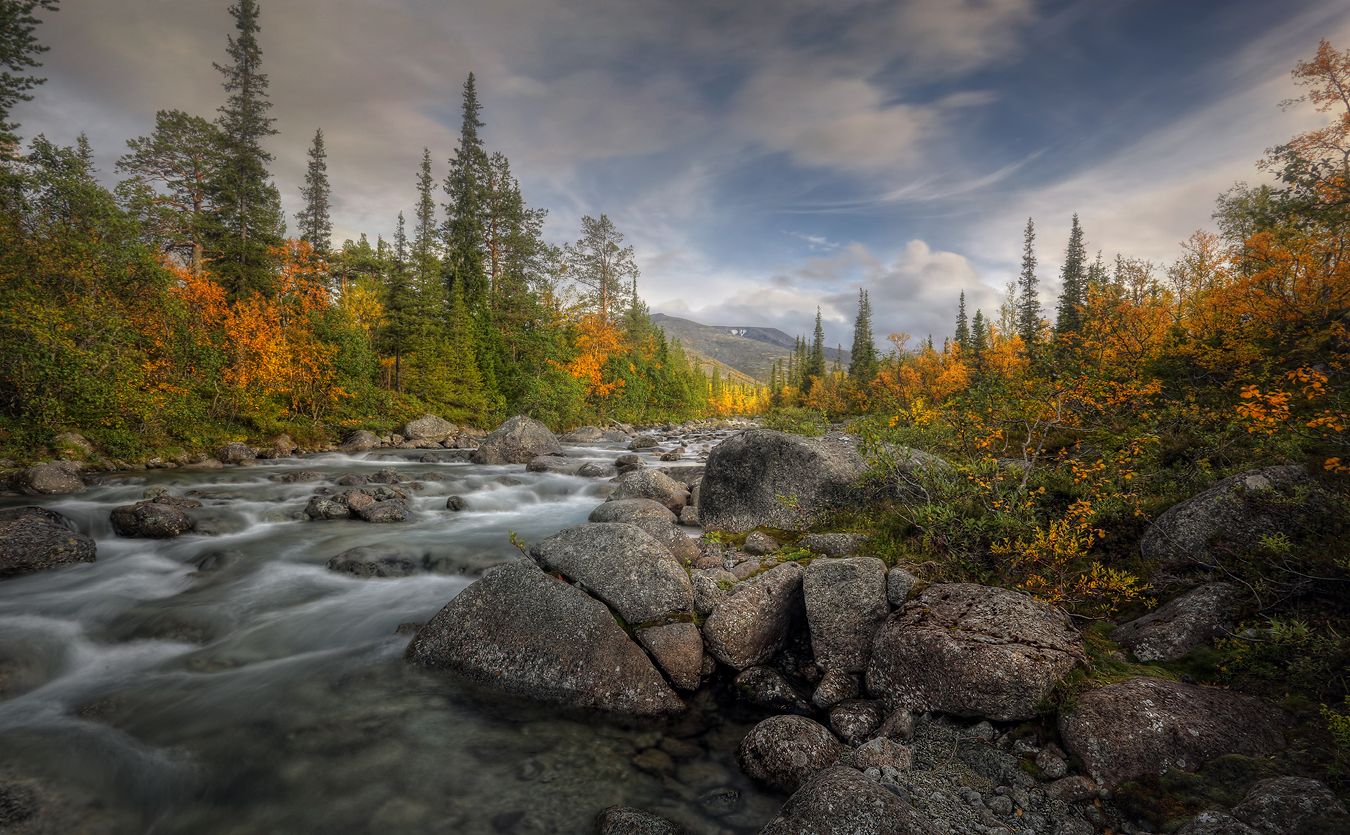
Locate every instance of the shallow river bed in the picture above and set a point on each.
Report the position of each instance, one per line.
(230, 683)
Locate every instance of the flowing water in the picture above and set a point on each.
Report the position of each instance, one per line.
(229, 683)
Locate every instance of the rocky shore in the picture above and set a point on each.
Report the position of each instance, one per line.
(889, 705)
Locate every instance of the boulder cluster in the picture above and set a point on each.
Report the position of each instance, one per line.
(896, 707)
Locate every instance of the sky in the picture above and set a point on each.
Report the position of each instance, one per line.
(763, 158)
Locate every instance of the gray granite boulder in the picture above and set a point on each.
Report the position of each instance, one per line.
(622, 565)
(841, 801)
(845, 605)
(1147, 726)
(517, 441)
(654, 485)
(35, 539)
(151, 520)
(52, 478)
(428, 428)
(766, 478)
(1192, 620)
(1292, 806)
(750, 625)
(783, 751)
(972, 650)
(525, 632)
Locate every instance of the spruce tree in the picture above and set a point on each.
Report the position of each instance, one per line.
(962, 324)
(862, 365)
(465, 187)
(424, 262)
(815, 360)
(1028, 304)
(979, 338)
(1073, 280)
(246, 221)
(19, 51)
(399, 303)
(316, 227)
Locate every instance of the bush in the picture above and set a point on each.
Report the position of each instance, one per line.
(797, 421)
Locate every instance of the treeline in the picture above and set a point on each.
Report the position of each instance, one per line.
(1142, 386)
(176, 309)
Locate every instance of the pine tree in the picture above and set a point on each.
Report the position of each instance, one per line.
(1096, 273)
(424, 261)
(465, 188)
(1028, 304)
(862, 366)
(316, 227)
(815, 360)
(246, 221)
(168, 189)
(979, 338)
(962, 324)
(1073, 281)
(399, 304)
(19, 49)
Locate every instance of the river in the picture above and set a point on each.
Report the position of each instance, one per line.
(230, 683)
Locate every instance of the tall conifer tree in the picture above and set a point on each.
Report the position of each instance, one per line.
(316, 226)
(1028, 303)
(465, 187)
(962, 324)
(1073, 280)
(247, 219)
(862, 365)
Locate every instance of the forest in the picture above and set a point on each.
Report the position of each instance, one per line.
(180, 310)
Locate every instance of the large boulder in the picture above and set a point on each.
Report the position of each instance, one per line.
(1147, 726)
(1192, 620)
(750, 625)
(654, 518)
(1216, 823)
(765, 478)
(583, 435)
(428, 428)
(35, 539)
(517, 441)
(52, 478)
(1292, 806)
(151, 520)
(678, 650)
(783, 751)
(841, 801)
(623, 566)
(1238, 510)
(845, 605)
(234, 452)
(553, 464)
(532, 635)
(654, 485)
(973, 650)
(359, 440)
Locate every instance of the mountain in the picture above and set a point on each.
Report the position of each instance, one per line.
(748, 349)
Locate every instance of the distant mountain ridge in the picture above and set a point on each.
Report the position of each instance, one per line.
(749, 349)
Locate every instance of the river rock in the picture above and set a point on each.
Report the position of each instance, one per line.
(327, 507)
(767, 688)
(35, 539)
(1192, 620)
(377, 561)
(622, 820)
(530, 634)
(51, 478)
(1292, 806)
(854, 720)
(1147, 726)
(973, 650)
(234, 452)
(899, 583)
(760, 544)
(1239, 510)
(517, 441)
(583, 435)
(678, 649)
(834, 687)
(841, 801)
(644, 442)
(623, 566)
(783, 751)
(689, 515)
(151, 520)
(552, 464)
(359, 440)
(845, 605)
(654, 485)
(881, 752)
(711, 587)
(750, 625)
(597, 469)
(766, 478)
(429, 428)
(634, 511)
